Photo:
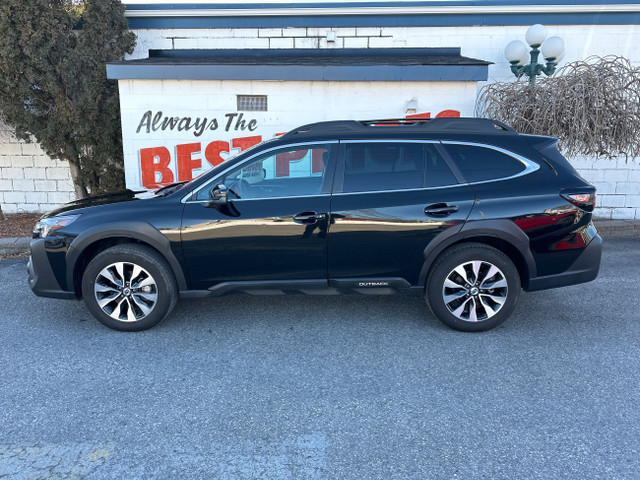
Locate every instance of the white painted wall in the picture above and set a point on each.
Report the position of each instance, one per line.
(290, 104)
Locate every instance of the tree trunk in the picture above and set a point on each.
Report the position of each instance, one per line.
(1, 214)
(78, 184)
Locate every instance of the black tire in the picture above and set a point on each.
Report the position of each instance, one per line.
(137, 312)
(473, 300)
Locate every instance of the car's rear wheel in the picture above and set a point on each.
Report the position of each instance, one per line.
(129, 287)
(473, 287)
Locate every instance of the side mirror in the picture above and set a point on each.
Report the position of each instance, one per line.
(218, 196)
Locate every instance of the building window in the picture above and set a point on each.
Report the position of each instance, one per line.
(252, 103)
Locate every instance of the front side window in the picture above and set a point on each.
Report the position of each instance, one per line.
(479, 164)
(379, 166)
(288, 172)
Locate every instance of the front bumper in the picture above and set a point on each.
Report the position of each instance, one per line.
(41, 278)
(584, 269)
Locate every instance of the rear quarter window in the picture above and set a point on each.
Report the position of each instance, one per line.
(479, 164)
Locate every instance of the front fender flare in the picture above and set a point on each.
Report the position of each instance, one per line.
(140, 231)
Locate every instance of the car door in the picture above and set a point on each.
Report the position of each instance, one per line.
(390, 199)
(274, 225)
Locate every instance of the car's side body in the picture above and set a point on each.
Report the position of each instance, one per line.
(338, 241)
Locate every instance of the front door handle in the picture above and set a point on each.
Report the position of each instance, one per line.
(309, 218)
(440, 209)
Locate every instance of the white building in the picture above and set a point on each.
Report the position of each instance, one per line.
(209, 79)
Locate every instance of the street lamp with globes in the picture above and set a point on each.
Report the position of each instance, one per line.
(552, 50)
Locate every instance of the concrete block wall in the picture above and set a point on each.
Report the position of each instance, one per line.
(618, 185)
(30, 181)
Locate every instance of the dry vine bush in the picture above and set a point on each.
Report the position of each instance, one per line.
(592, 106)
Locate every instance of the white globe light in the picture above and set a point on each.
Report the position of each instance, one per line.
(559, 58)
(515, 50)
(524, 59)
(536, 35)
(553, 47)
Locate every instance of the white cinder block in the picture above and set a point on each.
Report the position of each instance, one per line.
(615, 175)
(380, 42)
(592, 175)
(11, 149)
(45, 185)
(631, 201)
(356, 42)
(5, 185)
(346, 32)
(57, 173)
(605, 187)
(33, 173)
(373, 32)
(270, 32)
(9, 207)
(14, 197)
(65, 186)
(612, 201)
(281, 42)
(630, 188)
(306, 43)
(43, 161)
(23, 185)
(37, 197)
(294, 32)
(623, 213)
(28, 208)
(22, 161)
(59, 197)
(11, 173)
(244, 32)
(31, 149)
(5, 160)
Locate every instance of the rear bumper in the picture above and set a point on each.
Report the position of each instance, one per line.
(41, 278)
(584, 269)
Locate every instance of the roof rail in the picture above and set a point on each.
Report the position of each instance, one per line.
(426, 125)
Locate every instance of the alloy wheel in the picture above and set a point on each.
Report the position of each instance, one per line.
(475, 291)
(125, 291)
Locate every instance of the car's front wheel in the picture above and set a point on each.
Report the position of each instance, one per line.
(473, 287)
(129, 287)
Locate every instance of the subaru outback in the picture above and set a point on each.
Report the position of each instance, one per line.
(465, 212)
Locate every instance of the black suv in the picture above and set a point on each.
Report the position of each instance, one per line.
(464, 211)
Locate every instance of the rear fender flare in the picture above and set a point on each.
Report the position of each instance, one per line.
(502, 229)
(139, 231)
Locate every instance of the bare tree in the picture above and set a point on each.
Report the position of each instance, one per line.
(592, 106)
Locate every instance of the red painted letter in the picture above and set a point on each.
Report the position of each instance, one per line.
(149, 167)
(186, 164)
(448, 113)
(213, 151)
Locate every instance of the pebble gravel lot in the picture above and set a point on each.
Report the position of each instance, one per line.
(351, 387)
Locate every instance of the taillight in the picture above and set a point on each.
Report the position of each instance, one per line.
(585, 200)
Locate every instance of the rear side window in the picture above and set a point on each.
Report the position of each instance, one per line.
(379, 166)
(478, 164)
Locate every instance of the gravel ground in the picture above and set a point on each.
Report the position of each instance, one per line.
(18, 225)
(325, 388)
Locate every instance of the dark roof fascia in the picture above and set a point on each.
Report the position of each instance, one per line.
(441, 64)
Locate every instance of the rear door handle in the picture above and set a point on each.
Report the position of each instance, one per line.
(440, 209)
(309, 217)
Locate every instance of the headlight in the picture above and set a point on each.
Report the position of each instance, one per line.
(45, 226)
